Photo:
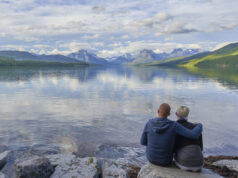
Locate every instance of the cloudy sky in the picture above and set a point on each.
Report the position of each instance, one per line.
(114, 27)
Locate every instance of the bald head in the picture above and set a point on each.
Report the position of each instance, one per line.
(164, 110)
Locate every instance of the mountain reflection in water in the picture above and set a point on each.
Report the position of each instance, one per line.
(75, 109)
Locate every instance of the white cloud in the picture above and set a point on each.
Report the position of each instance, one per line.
(98, 25)
(75, 46)
(162, 17)
(125, 37)
(220, 45)
(13, 47)
(98, 9)
(3, 34)
(92, 36)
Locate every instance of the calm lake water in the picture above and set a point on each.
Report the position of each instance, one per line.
(75, 109)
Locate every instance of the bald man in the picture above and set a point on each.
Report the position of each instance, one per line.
(159, 136)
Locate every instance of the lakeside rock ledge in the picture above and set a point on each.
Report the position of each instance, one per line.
(153, 171)
(108, 162)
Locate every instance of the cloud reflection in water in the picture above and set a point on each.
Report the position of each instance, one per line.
(75, 110)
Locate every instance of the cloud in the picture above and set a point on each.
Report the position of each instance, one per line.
(125, 37)
(13, 47)
(157, 19)
(4, 2)
(27, 38)
(175, 28)
(98, 9)
(162, 17)
(98, 25)
(91, 36)
(3, 34)
(75, 46)
(220, 45)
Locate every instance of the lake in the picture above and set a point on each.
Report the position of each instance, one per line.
(76, 109)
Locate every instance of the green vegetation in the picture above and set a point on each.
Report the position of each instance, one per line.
(174, 62)
(221, 64)
(6, 61)
(225, 58)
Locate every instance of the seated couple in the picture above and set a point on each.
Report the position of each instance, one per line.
(166, 139)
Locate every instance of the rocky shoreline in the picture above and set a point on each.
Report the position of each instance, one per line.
(108, 162)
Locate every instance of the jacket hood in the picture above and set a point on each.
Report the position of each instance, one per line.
(159, 125)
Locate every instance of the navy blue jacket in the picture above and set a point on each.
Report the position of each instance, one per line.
(159, 137)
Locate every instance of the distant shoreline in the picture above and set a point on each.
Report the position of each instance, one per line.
(29, 63)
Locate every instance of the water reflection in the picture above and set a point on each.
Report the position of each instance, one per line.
(74, 110)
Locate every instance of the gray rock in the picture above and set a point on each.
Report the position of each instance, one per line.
(121, 161)
(69, 166)
(60, 159)
(112, 168)
(3, 175)
(3, 158)
(153, 171)
(231, 164)
(33, 166)
(115, 152)
(124, 155)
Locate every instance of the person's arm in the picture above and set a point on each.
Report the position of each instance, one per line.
(143, 139)
(189, 133)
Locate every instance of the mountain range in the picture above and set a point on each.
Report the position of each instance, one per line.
(148, 56)
(144, 56)
(223, 58)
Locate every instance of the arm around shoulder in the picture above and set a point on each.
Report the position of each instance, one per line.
(189, 133)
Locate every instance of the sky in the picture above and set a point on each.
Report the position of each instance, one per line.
(115, 27)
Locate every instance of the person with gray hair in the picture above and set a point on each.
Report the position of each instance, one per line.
(188, 152)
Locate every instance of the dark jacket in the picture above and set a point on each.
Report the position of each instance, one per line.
(159, 137)
(183, 141)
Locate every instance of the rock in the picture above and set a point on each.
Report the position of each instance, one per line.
(230, 164)
(33, 166)
(153, 171)
(60, 159)
(112, 168)
(3, 158)
(68, 166)
(3, 175)
(121, 161)
(124, 155)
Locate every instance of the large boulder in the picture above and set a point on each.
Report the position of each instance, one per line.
(33, 166)
(3, 158)
(68, 166)
(153, 171)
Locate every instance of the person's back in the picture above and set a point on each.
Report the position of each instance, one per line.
(159, 137)
(188, 152)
